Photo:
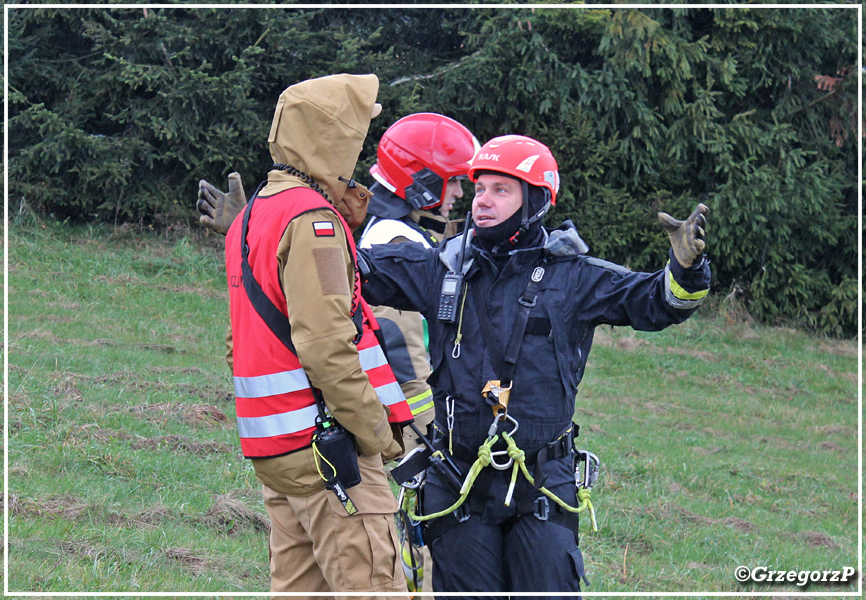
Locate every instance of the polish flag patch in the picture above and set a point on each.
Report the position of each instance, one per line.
(324, 229)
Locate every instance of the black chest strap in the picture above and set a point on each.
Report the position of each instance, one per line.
(505, 364)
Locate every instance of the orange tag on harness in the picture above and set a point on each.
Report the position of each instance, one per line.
(496, 396)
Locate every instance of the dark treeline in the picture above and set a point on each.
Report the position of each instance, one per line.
(116, 113)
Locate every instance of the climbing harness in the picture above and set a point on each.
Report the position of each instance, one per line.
(497, 394)
(517, 458)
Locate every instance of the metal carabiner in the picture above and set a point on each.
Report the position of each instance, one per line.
(591, 465)
(501, 416)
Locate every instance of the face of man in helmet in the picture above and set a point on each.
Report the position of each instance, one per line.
(497, 197)
(453, 191)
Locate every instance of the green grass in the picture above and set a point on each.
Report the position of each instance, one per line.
(723, 443)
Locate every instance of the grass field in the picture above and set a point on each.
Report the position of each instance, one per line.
(723, 443)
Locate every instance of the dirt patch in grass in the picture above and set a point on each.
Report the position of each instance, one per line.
(68, 390)
(81, 549)
(58, 319)
(39, 334)
(60, 305)
(16, 507)
(159, 348)
(135, 381)
(735, 522)
(702, 354)
(598, 430)
(230, 515)
(181, 443)
(54, 507)
(628, 344)
(196, 415)
(706, 451)
(837, 430)
(777, 441)
(152, 517)
(210, 393)
(831, 447)
(189, 560)
(816, 539)
(182, 370)
(207, 415)
(838, 347)
(103, 435)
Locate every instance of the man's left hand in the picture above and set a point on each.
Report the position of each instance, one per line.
(687, 237)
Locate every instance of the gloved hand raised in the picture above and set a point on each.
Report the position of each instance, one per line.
(687, 237)
(218, 209)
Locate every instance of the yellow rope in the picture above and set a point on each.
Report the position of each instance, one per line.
(483, 460)
(584, 495)
(318, 454)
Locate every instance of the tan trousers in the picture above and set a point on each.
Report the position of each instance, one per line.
(315, 546)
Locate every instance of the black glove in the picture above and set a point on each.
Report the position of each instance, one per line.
(219, 209)
(687, 237)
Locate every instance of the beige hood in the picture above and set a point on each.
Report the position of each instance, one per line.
(319, 128)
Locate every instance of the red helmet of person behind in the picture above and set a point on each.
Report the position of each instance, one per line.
(418, 154)
(519, 156)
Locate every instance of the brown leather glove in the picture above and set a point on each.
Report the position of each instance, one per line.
(395, 449)
(218, 209)
(687, 237)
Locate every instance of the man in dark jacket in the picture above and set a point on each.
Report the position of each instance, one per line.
(512, 308)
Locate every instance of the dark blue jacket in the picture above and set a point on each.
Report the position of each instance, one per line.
(577, 293)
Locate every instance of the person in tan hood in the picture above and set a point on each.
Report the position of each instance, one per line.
(308, 369)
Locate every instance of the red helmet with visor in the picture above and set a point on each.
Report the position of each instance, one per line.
(418, 154)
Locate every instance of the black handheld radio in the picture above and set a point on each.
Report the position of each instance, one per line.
(452, 284)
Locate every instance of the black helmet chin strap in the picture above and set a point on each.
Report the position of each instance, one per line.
(526, 220)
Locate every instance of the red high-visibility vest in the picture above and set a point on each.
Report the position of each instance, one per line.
(276, 409)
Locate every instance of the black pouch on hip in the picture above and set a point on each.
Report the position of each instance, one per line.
(338, 457)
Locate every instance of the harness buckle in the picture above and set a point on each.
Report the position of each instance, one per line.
(542, 508)
(527, 303)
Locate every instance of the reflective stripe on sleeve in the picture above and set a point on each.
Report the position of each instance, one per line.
(679, 297)
(421, 402)
(281, 424)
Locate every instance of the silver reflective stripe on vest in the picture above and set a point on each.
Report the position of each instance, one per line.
(281, 424)
(372, 357)
(390, 393)
(296, 380)
(271, 385)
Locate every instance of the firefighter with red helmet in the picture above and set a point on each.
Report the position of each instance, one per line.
(420, 161)
(512, 307)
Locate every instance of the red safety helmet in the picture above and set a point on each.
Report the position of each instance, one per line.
(419, 153)
(519, 156)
